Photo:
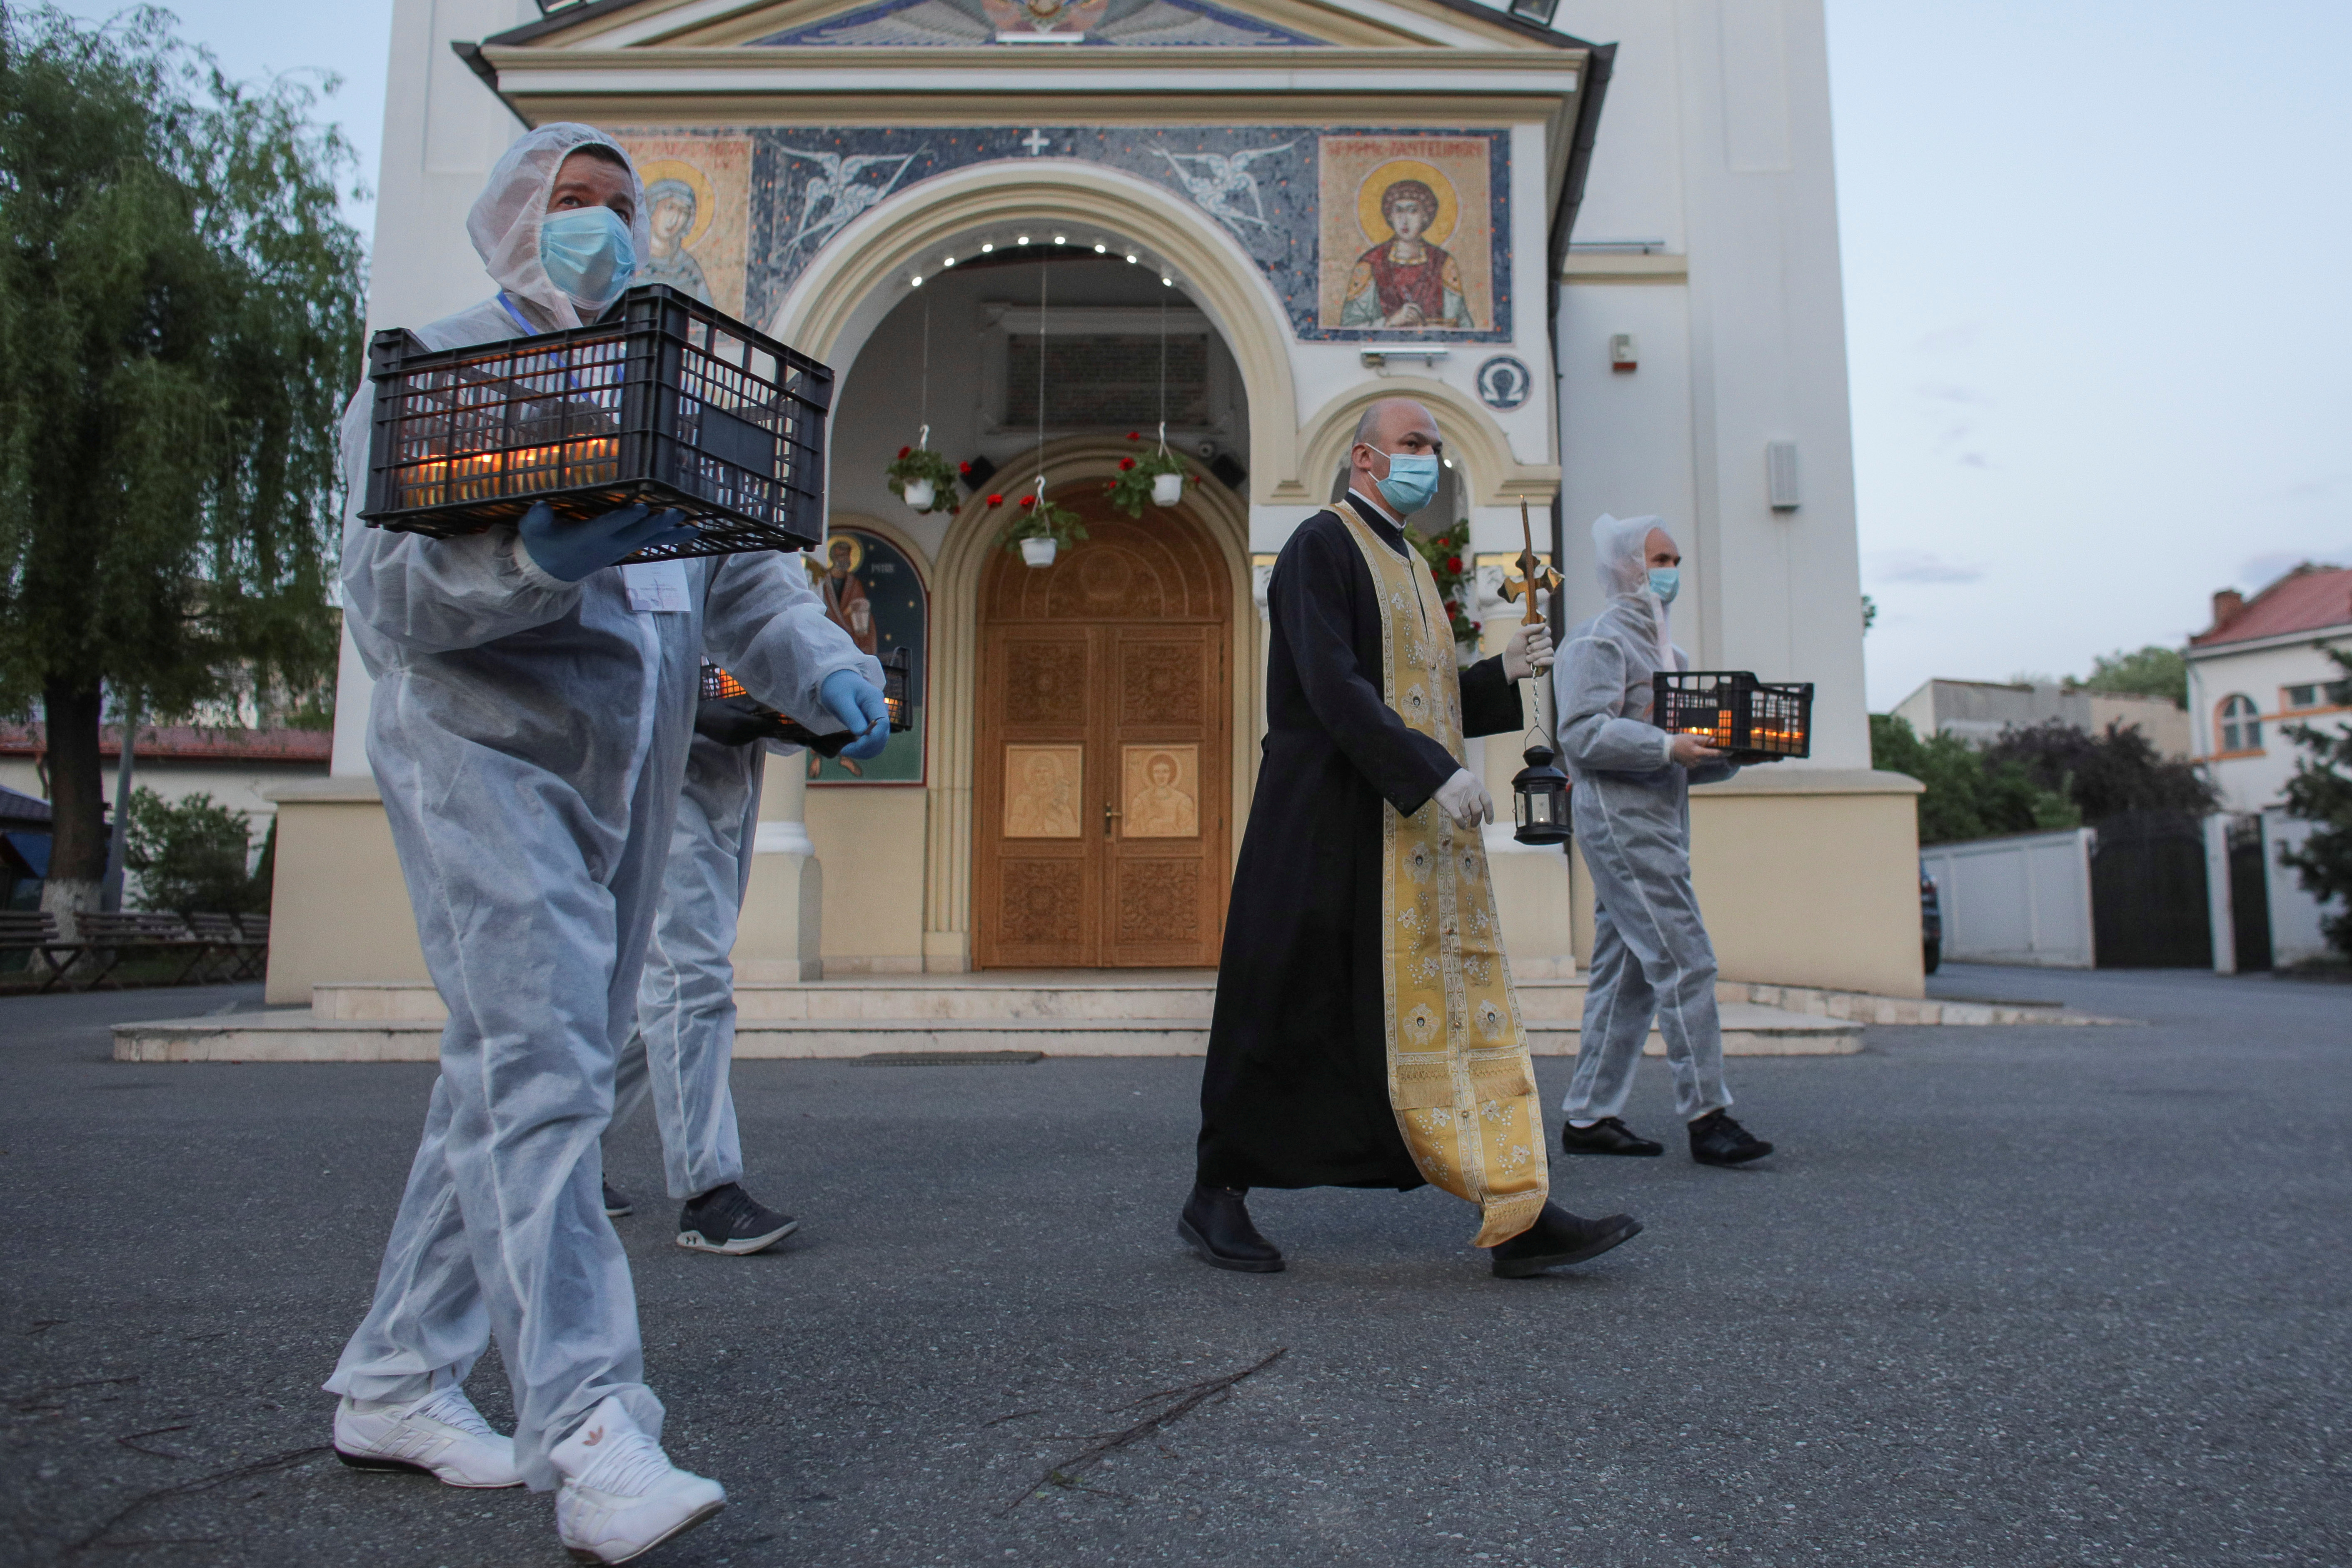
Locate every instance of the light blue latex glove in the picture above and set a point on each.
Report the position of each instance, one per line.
(569, 551)
(857, 703)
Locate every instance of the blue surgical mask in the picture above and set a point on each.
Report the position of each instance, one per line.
(588, 252)
(1411, 483)
(1665, 582)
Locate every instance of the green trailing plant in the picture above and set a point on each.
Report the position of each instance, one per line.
(180, 326)
(1131, 491)
(922, 463)
(189, 855)
(2320, 792)
(1037, 518)
(1450, 564)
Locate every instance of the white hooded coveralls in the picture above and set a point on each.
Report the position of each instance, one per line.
(529, 739)
(1630, 810)
(685, 1041)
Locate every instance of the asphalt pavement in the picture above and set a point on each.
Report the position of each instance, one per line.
(2006, 1297)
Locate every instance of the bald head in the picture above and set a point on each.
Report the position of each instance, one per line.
(1377, 426)
(1390, 428)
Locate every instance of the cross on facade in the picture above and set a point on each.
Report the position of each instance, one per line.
(1036, 142)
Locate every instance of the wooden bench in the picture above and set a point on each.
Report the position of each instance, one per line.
(241, 955)
(34, 932)
(108, 940)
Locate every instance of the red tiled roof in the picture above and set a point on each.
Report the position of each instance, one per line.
(188, 742)
(2305, 600)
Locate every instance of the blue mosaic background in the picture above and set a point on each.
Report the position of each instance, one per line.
(1258, 182)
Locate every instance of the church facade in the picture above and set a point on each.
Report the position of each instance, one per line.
(1048, 238)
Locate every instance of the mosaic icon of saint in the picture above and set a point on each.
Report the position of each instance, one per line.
(1407, 283)
(1161, 809)
(845, 604)
(1044, 808)
(671, 212)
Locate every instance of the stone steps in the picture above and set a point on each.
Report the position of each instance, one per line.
(1079, 1013)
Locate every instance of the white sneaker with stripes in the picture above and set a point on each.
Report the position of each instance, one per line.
(441, 1435)
(620, 1497)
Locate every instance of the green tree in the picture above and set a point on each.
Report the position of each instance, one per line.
(2320, 792)
(1967, 798)
(189, 855)
(2151, 672)
(180, 322)
(2105, 775)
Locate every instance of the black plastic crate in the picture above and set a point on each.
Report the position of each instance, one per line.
(665, 402)
(897, 694)
(1755, 720)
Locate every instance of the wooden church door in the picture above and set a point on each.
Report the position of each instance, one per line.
(1104, 755)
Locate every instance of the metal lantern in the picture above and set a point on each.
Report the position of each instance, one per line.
(899, 688)
(1539, 798)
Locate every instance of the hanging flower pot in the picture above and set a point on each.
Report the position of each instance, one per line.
(923, 479)
(1040, 531)
(1157, 477)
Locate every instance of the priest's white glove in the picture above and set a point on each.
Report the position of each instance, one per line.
(1529, 651)
(1465, 799)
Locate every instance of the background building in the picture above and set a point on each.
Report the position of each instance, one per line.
(1978, 711)
(1648, 319)
(2261, 666)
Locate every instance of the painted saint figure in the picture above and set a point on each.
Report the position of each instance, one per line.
(1407, 283)
(844, 597)
(670, 217)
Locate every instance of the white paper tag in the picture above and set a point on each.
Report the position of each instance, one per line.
(655, 587)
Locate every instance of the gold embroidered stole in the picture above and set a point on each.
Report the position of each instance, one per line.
(1460, 1079)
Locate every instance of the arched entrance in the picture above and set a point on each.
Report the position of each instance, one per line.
(1103, 748)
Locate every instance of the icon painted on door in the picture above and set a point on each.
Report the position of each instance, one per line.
(1162, 786)
(1041, 791)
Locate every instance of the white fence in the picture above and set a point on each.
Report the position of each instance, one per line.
(2025, 900)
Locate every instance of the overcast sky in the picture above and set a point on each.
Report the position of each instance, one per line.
(2095, 265)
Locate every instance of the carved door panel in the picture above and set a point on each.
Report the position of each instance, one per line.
(1164, 883)
(1039, 862)
(1102, 770)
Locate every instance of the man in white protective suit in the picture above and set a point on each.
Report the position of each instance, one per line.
(685, 1041)
(529, 730)
(1630, 810)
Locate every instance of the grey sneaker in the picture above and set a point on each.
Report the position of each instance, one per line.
(728, 1219)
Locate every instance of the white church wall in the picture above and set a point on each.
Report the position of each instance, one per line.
(1741, 136)
(442, 131)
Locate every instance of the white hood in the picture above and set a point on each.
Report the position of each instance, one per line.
(504, 224)
(1623, 565)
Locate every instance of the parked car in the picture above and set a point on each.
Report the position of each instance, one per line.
(1931, 925)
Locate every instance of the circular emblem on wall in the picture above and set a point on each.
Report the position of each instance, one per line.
(1504, 383)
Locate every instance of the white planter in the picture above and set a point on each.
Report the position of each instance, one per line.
(1167, 490)
(1039, 551)
(919, 494)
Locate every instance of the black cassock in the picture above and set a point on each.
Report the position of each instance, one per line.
(1294, 1093)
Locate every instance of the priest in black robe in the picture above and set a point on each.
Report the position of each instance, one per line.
(1295, 1092)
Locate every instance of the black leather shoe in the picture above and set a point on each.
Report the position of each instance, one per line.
(616, 1203)
(1606, 1136)
(1717, 1139)
(1216, 1224)
(1558, 1236)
